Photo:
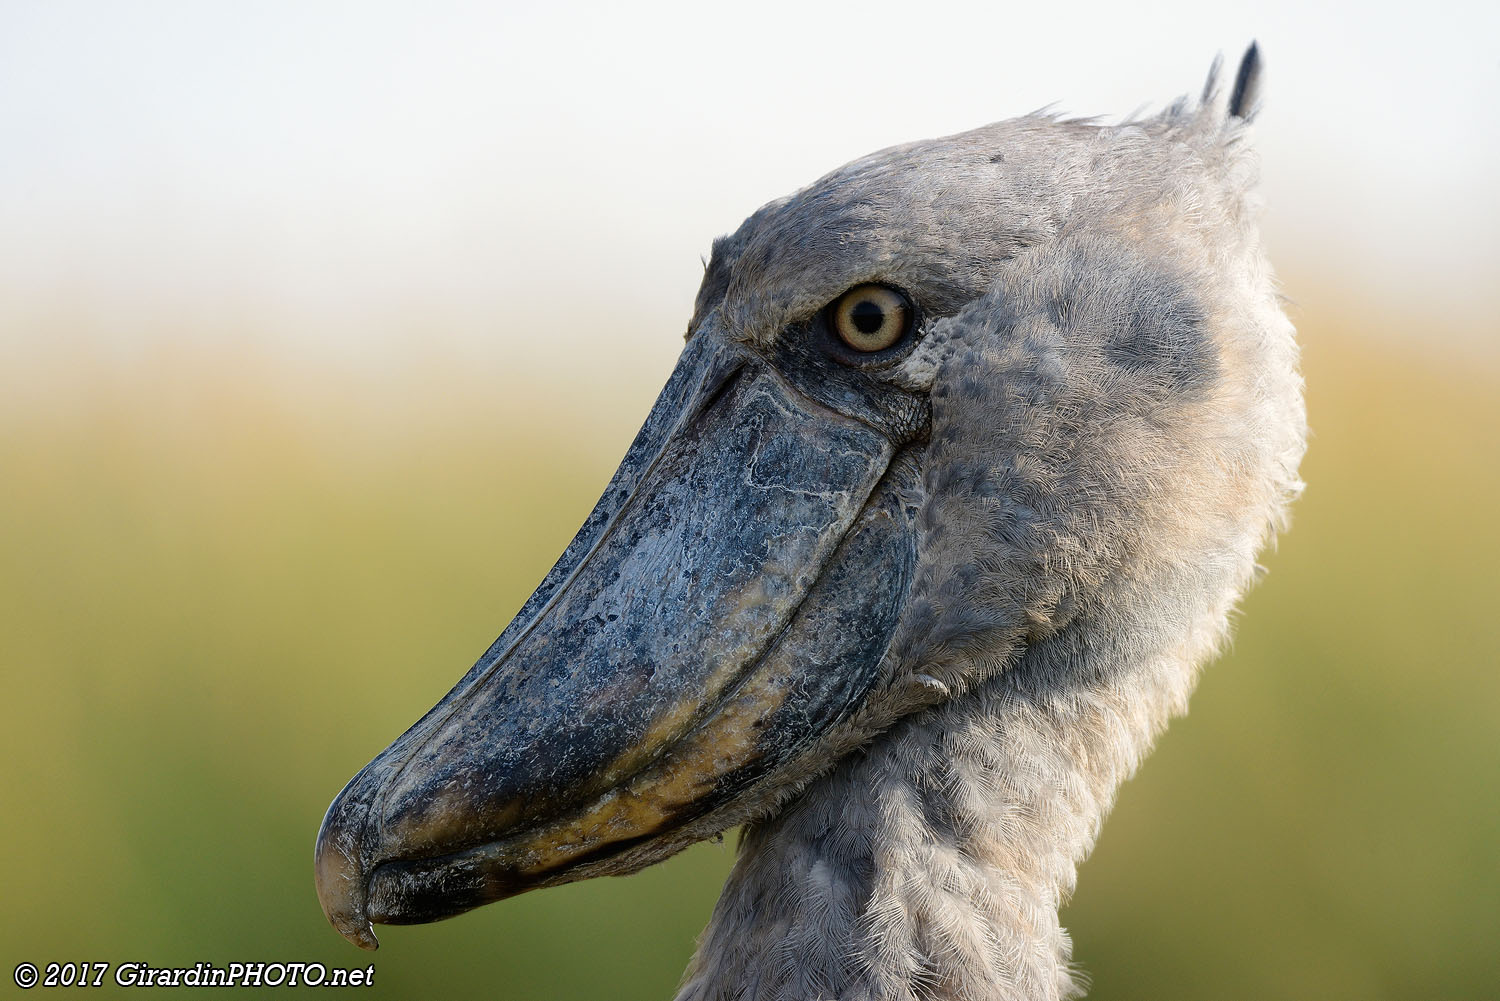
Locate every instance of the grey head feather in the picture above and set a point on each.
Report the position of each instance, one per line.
(1244, 102)
(1115, 433)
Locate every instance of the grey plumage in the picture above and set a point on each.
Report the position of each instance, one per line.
(1076, 459)
(1117, 424)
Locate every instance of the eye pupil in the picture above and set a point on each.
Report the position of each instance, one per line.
(867, 317)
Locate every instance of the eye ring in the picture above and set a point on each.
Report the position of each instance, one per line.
(871, 318)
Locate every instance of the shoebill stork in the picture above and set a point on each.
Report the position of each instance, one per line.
(968, 456)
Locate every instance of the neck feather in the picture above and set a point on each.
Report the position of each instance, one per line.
(931, 865)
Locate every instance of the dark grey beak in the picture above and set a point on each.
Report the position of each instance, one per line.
(728, 601)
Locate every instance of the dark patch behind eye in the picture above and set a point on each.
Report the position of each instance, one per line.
(1164, 333)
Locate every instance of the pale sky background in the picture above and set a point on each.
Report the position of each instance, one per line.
(532, 186)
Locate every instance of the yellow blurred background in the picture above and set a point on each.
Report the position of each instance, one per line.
(322, 326)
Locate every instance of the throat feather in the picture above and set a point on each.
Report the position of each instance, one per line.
(932, 864)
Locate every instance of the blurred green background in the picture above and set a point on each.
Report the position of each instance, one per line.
(322, 326)
(217, 606)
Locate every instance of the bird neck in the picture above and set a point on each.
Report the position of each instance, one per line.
(932, 864)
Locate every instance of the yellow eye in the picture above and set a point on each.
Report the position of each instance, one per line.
(871, 317)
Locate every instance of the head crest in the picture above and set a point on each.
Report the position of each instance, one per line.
(1244, 100)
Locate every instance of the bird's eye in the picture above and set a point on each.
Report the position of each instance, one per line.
(870, 318)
